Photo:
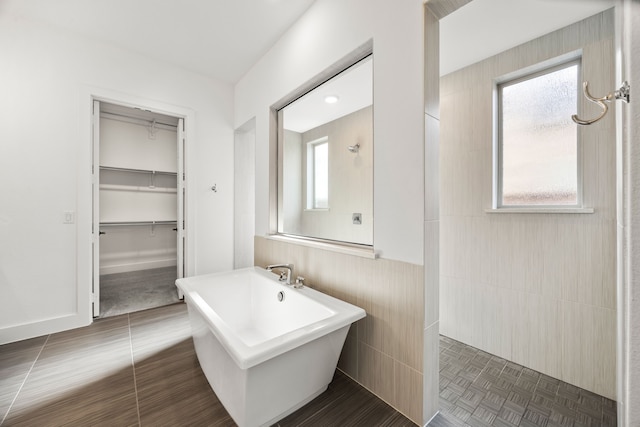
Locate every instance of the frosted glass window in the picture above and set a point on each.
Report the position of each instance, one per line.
(318, 174)
(538, 140)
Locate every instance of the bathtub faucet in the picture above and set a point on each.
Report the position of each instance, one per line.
(289, 268)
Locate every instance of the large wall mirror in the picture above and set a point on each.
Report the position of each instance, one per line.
(325, 153)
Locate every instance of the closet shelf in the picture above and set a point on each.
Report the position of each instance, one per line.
(135, 223)
(147, 171)
(137, 188)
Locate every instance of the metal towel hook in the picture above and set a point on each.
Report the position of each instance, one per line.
(622, 93)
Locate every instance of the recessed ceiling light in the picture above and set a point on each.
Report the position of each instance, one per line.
(331, 99)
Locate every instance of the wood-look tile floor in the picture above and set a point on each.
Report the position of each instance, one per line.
(478, 389)
(141, 369)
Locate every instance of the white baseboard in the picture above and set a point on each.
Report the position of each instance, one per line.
(136, 266)
(43, 327)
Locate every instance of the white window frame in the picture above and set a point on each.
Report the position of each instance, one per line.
(514, 78)
(311, 201)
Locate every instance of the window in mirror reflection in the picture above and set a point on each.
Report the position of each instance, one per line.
(326, 159)
(318, 174)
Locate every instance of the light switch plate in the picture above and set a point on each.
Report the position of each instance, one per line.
(69, 217)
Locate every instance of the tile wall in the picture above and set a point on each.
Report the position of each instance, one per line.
(537, 289)
(384, 351)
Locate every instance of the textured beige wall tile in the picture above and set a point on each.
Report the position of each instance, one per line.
(376, 372)
(503, 237)
(431, 272)
(599, 70)
(505, 310)
(482, 311)
(407, 316)
(456, 316)
(447, 176)
(448, 312)
(609, 265)
(431, 169)
(396, 321)
(431, 390)
(538, 334)
(504, 278)
(599, 172)
(348, 362)
(375, 329)
(486, 256)
(447, 247)
(569, 238)
(588, 359)
(482, 118)
(408, 385)
(552, 260)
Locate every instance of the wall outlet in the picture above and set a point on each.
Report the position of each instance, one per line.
(69, 217)
(357, 218)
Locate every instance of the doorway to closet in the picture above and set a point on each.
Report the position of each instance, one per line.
(138, 209)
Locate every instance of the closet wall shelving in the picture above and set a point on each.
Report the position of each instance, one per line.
(138, 191)
(137, 197)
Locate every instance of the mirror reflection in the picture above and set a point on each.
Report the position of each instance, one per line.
(326, 160)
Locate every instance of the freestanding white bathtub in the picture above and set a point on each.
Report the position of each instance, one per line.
(266, 348)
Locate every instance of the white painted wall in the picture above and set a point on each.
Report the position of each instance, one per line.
(244, 217)
(330, 30)
(48, 79)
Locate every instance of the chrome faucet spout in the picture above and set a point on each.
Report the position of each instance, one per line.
(288, 267)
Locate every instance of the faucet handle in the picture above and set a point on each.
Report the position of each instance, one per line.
(299, 282)
(283, 276)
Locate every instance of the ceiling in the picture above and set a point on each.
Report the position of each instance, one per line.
(483, 28)
(222, 39)
(353, 87)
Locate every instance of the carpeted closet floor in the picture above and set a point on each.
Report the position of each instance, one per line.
(122, 293)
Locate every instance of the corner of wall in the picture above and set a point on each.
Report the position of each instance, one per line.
(431, 339)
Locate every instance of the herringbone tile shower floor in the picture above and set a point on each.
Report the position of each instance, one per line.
(478, 389)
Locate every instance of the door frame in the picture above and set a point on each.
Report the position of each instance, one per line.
(628, 214)
(180, 203)
(95, 203)
(84, 261)
(95, 228)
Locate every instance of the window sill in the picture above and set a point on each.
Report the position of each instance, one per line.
(541, 210)
(361, 251)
